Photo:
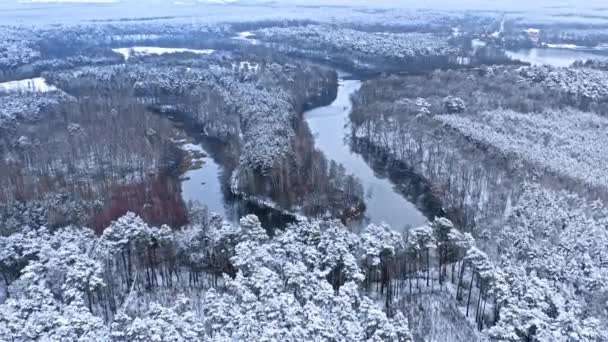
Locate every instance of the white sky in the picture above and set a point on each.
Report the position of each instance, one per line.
(16, 11)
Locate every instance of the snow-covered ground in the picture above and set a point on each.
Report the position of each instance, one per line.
(246, 65)
(601, 47)
(569, 143)
(37, 84)
(135, 37)
(478, 43)
(154, 50)
(247, 36)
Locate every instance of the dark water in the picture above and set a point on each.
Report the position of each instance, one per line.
(204, 185)
(329, 125)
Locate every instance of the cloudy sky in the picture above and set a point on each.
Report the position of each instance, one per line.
(38, 11)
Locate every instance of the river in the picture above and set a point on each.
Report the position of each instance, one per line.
(202, 184)
(558, 57)
(330, 127)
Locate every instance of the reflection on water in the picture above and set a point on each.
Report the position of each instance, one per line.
(202, 184)
(553, 56)
(384, 204)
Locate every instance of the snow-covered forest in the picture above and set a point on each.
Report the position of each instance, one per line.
(539, 193)
(354, 47)
(294, 122)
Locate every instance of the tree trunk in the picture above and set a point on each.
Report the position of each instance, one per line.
(409, 266)
(460, 276)
(428, 267)
(483, 311)
(470, 288)
(477, 306)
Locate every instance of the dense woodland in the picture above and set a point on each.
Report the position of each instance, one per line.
(252, 107)
(506, 160)
(541, 168)
(361, 50)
